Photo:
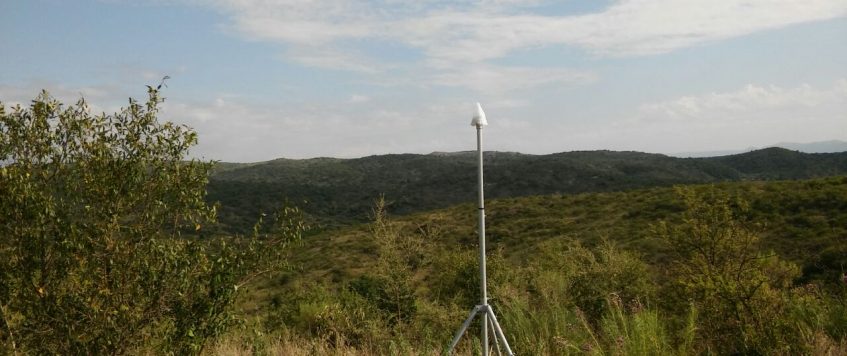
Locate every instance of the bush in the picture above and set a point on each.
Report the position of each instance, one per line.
(738, 290)
(390, 284)
(94, 258)
(341, 317)
(586, 277)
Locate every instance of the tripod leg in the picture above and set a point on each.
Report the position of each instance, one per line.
(499, 332)
(483, 341)
(494, 334)
(464, 328)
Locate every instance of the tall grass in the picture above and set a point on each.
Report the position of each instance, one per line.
(554, 331)
(571, 298)
(636, 331)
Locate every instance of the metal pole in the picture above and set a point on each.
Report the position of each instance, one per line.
(499, 332)
(496, 341)
(483, 282)
(464, 327)
(483, 308)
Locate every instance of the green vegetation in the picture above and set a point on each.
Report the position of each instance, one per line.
(338, 192)
(107, 246)
(804, 222)
(739, 267)
(93, 259)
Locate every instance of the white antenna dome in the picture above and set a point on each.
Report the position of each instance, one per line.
(479, 117)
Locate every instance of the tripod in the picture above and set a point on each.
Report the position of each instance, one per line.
(483, 310)
(488, 319)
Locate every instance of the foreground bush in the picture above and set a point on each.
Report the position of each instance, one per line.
(93, 257)
(746, 297)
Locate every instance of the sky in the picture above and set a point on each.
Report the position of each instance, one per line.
(264, 79)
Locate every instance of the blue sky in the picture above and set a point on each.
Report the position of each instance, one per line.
(261, 79)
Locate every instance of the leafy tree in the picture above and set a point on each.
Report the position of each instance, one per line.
(94, 258)
(391, 284)
(719, 268)
(602, 272)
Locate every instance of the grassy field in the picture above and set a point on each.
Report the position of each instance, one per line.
(570, 274)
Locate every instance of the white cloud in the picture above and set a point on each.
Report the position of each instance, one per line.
(493, 79)
(99, 98)
(751, 103)
(755, 115)
(232, 129)
(636, 27)
(357, 98)
(108, 91)
(455, 35)
(477, 31)
(329, 58)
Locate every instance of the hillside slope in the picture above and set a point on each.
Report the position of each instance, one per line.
(802, 221)
(336, 192)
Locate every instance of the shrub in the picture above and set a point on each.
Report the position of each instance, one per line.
(94, 258)
(587, 277)
(738, 290)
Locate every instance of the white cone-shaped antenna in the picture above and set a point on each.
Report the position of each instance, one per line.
(479, 117)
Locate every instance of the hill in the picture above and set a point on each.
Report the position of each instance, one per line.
(803, 221)
(815, 147)
(830, 146)
(553, 262)
(337, 192)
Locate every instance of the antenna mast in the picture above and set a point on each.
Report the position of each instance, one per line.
(487, 317)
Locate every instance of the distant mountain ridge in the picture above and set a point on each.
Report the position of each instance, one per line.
(815, 147)
(336, 192)
(830, 146)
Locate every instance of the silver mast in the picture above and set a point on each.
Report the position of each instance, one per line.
(487, 318)
(483, 285)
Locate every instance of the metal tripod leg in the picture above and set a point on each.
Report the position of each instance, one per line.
(464, 328)
(498, 331)
(496, 343)
(499, 337)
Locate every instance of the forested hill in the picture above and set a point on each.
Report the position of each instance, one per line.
(341, 191)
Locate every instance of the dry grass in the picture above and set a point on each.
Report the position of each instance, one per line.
(825, 346)
(284, 346)
(298, 346)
